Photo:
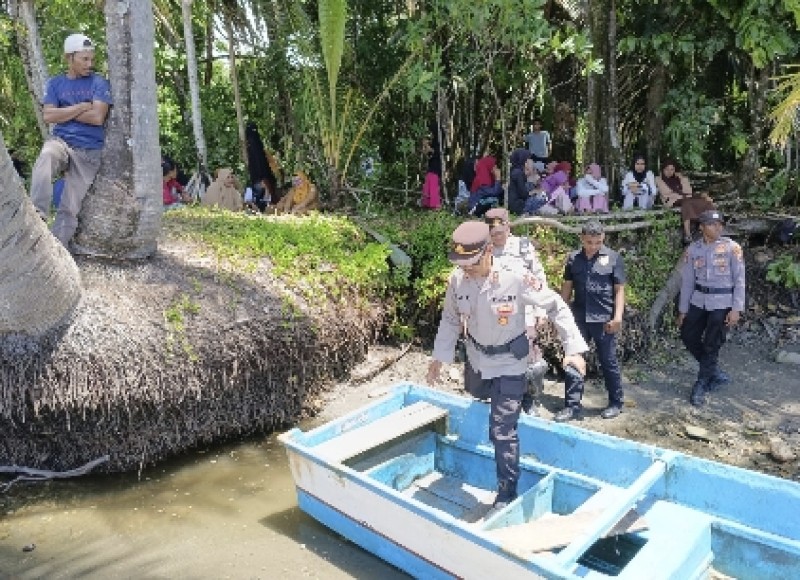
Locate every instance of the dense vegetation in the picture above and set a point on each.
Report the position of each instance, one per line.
(695, 80)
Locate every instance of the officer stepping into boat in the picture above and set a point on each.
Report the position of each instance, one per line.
(711, 300)
(486, 302)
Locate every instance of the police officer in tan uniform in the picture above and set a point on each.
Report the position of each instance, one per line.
(511, 251)
(711, 300)
(486, 303)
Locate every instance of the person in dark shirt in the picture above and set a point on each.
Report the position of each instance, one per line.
(595, 275)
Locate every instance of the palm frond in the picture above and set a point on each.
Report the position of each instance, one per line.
(332, 17)
(785, 113)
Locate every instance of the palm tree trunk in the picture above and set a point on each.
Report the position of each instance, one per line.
(194, 85)
(121, 214)
(30, 50)
(40, 284)
(237, 100)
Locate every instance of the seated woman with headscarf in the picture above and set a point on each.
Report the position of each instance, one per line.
(673, 187)
(467, 176)
(638, 185)
(555, 186)
(486, 191)
(263, 169)
(301, 198)
(223, 192)
(592, 191)
(517, 182)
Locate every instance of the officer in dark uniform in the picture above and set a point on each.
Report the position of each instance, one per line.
(596, 273)
(711, 300)
(486, 302)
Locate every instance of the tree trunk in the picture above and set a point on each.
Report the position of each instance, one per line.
(40, 285)
(655, 117)
(596, 128)
(614, 153)
(121, 215)
(30, 50)
(194, 85)
(209, 71)
(237, 100)
(757, 99)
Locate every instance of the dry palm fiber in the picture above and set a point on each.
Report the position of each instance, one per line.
(163, 355)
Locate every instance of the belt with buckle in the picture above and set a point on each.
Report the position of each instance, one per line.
(707, 290)
(492, 349)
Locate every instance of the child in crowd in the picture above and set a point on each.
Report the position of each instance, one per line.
(174, 194)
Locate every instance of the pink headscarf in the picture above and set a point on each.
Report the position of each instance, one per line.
(594, 170)
(483, 173)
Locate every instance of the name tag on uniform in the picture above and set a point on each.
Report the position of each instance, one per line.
(603, 260)
(503, 312)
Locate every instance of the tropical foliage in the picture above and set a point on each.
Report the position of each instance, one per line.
(331, 83)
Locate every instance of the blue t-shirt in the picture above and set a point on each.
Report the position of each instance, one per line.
(63, 92)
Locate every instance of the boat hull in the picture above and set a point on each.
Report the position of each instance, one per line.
(411, 478)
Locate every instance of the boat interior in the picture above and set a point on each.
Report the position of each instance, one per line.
(592, 504)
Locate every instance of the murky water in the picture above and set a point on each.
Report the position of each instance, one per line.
(225, 512)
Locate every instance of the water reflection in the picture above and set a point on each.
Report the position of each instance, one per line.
(223, 512)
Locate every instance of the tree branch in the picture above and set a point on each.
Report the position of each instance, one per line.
(32, 474)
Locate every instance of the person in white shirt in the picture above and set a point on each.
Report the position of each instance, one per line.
(592, 191)
(639, 185)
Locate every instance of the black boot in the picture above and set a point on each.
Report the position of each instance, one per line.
(698, 396)
(506, 493)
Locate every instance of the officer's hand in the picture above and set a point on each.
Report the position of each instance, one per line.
(434, 371)
(732, 318)
(679, 320)
(613, 326)
(577, 361)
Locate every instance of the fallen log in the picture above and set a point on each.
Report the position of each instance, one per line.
(559, 225)
(665, 296)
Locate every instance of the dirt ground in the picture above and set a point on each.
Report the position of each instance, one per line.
(747, 423)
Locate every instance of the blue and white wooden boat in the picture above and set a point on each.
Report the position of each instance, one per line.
(411, 478)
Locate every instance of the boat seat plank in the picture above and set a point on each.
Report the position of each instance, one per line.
(402, 422)
(552, 531)
(451, 495)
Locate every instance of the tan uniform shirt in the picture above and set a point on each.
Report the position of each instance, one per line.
(492, 311)
(519, 253)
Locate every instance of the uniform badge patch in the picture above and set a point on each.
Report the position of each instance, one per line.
(603, 260)
(737, 251)
(533, 282)
(504, 310)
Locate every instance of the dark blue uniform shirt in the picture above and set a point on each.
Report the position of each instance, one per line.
(593, 281)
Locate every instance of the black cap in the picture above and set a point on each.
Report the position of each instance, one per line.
(469, 241)
(710, 215)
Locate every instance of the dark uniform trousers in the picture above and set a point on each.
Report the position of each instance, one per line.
(505, 394)
(704, 332)
(606, 345)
